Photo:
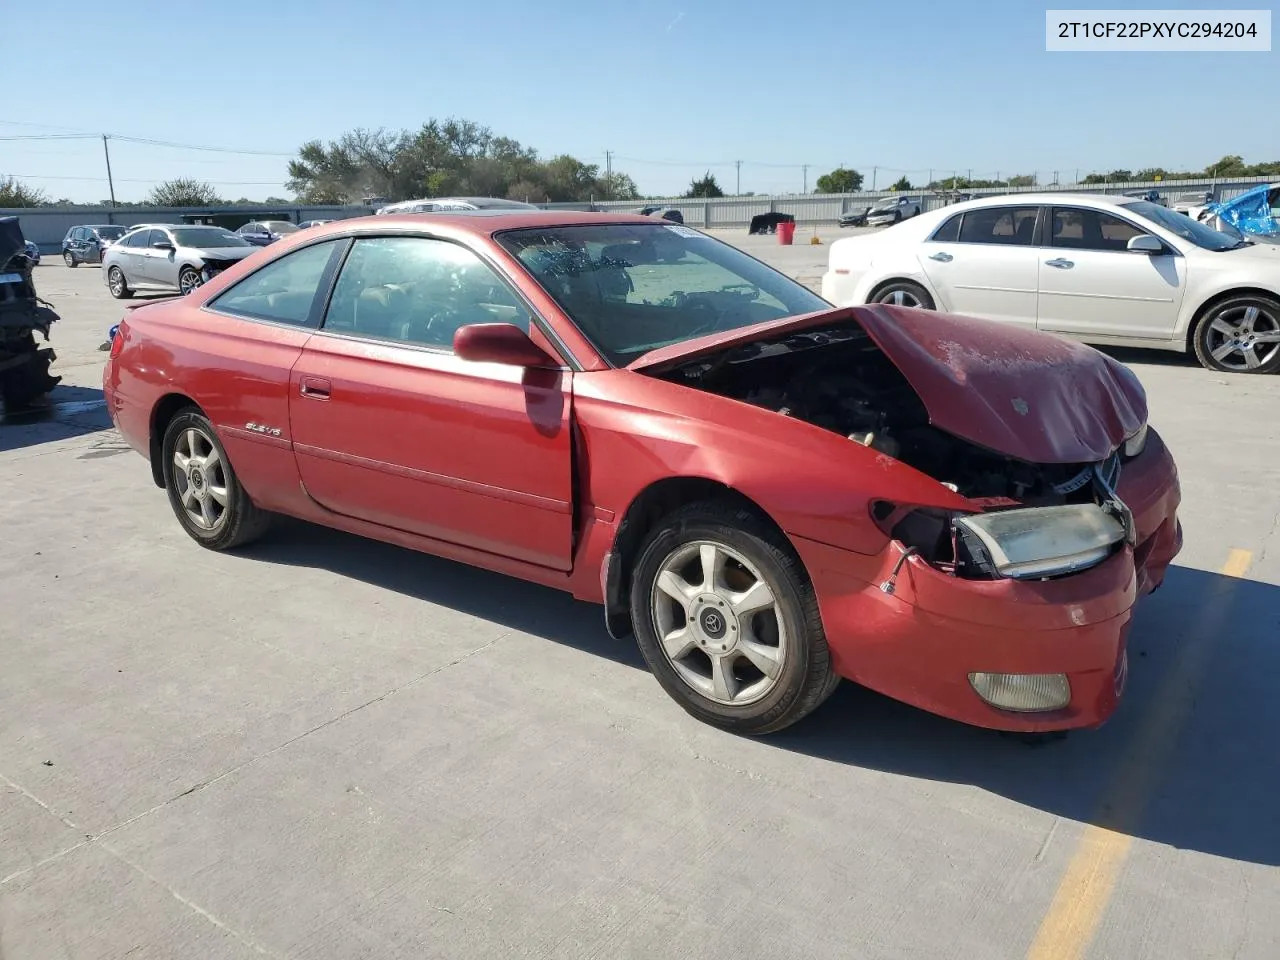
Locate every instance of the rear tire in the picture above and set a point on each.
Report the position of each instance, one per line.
(117, 285)
(903, 293)
(742, 649)
(204, 491)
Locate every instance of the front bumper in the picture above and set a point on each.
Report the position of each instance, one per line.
(920, 642)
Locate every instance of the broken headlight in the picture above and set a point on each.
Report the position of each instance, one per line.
(1038, 542)
(1135, 443)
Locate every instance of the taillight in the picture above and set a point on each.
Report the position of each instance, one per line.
(117, 341)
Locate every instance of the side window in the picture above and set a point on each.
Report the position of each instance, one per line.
(949, 232)
(1079, 229)
(155, 236)
(283, 290)
(417, 290)
(1007, 225)
(138, 239)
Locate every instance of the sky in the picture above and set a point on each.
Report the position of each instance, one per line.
(670, 87)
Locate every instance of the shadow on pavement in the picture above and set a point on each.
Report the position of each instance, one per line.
(65, 412)
(1214, 791)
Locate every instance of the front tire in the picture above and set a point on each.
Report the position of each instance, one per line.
(1240, 334)
(203, 489)
(726, 618)
(188, 279)
(117, 285)
(69, 259)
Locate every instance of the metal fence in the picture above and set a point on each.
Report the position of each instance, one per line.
(48, 225)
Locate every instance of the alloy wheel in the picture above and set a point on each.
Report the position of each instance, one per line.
(1243, 337)
(718, 623)
(201, 479)
(115, 279)
(188, 280)
(899, 298)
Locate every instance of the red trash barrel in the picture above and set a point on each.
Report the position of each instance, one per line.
(786, 232)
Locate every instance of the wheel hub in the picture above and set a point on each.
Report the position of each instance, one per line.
(197, 480)
(715, 628)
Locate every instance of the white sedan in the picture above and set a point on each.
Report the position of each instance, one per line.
(1105, 270)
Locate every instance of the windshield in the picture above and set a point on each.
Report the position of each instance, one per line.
(632, 288)
(279, 226)
(110, 233)
(1184, 227)
(207, 237)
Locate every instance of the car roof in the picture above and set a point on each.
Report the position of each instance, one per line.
(485, 223)
(1036, 199)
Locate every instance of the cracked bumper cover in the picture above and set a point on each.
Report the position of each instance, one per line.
(919, 643)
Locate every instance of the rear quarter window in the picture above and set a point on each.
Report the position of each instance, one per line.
(284, 291)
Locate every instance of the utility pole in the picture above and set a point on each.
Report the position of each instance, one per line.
(608, 174)
(873, 179)
(737, 190)
(805, 168)
(111, 185)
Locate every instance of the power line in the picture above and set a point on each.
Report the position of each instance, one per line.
(231, 183)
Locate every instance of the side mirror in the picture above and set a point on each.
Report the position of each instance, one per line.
(1145, 244)
(499, 343)
(162, 245)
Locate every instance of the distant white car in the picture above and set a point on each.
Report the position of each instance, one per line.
(893, 210)
(1104, 270)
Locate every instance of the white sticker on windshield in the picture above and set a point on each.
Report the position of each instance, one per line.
(682, 231)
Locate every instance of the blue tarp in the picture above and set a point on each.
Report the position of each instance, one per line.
(1251, 212)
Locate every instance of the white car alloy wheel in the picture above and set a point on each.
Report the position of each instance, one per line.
(1240, 335)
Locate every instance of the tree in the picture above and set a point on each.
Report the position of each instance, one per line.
(705, 187)
(15, 193)
(902, 184)
(183, 192)
(839, 180)
(442, 158)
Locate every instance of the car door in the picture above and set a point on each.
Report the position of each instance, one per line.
(259, 326)
(982, 263)
(130, 259)
(1091, 285)
(75, 244)
(153, 261)
(390, 426)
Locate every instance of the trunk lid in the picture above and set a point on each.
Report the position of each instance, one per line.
(1033, 396)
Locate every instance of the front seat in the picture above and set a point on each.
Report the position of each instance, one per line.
(380, 313)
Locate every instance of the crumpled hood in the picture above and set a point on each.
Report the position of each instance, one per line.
(1029, 395)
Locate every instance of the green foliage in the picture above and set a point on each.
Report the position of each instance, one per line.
(15, 193)
(839, 180)
(183, 192)
(704, 187)
(902, 184)
(443, 158)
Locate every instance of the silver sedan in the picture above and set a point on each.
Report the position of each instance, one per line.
(170, 258)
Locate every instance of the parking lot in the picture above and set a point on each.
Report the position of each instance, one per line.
(327, 747)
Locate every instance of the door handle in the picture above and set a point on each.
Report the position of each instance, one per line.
(316, 388)
(941, 257)
(1059, 263)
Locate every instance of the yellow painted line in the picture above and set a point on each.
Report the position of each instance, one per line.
(1086, 887)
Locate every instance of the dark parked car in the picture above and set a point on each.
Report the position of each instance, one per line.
(663, 213)
(263, 232)
(769, 492)
(86, 244)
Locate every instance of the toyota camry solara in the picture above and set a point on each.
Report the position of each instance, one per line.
(769, 493)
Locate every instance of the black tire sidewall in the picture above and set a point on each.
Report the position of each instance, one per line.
(787, 694)
(1201, 349)
(226, 531)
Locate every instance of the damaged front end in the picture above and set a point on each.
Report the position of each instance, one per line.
(24, 366)
(1031, 430)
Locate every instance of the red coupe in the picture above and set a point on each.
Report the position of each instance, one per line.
(770, 493)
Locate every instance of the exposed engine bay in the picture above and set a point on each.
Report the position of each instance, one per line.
(838, 379)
